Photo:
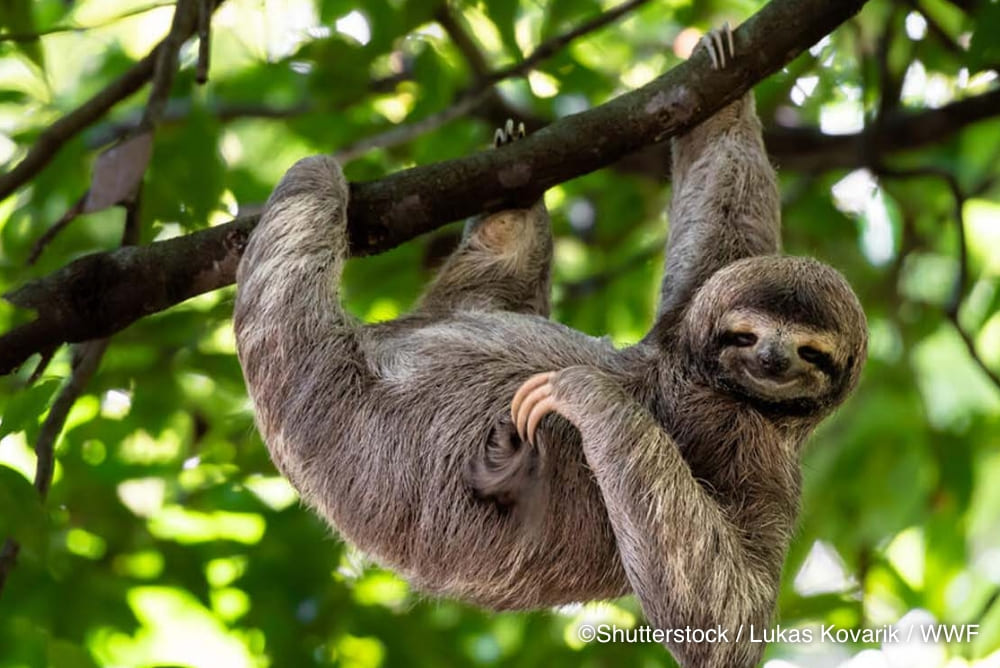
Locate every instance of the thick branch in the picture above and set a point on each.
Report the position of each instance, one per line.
(102, 293)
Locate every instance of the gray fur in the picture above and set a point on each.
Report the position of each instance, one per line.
(684, 486)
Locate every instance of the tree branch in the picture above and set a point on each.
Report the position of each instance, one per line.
(811, 150)
(102, 293)
(954, 303)
(87, 355)
(51, 140)
(806, 149)
(550, 47)
(32, 36)
(483, 92)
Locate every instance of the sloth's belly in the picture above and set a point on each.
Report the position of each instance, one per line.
(442, 388)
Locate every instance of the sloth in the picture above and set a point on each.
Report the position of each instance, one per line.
(489, 454)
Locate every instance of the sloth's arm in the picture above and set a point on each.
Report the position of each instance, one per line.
(724, 203)
(684, 558)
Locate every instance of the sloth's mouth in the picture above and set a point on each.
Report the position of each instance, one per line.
(770, 387)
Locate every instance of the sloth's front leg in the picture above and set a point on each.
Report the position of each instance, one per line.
(683, 557)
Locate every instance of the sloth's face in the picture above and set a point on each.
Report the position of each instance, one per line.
(776, 361)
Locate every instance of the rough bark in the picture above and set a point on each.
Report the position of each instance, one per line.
(102, 293)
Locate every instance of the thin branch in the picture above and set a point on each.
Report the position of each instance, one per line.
(401, 134)
(164, 71)
(8, 559)
(204, 40)
(807, 149)
(87, 355)
(100, 294)
(43, 364)
(550, 47)
(591, 284)
(166, 63)
(463, 41)
(87, 358)
(52, 139)
(43, 241)
(178, 111)
(32, 36)
(483, 90)
(954, 304)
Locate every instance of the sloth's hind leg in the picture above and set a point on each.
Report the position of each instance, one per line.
(503, 262)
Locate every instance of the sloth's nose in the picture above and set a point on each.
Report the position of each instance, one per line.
(773, 359)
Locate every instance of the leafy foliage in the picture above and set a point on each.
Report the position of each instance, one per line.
(167, 537)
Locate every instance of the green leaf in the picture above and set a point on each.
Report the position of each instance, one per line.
(65, 654)
(984, 49)
(22, 516)
(504, 13)
(24, 411)
(16, 17)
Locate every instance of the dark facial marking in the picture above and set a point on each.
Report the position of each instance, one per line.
(791, 303)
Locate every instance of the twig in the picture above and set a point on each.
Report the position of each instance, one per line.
(87, 358)
(953, 305)
(55, 229)
(32, 36)
(404, 133)
(593, 283)
(87, 355)
(43, 363)
(204, 40)
(483, 90)
(462, 41)
(166, 64)
(51, 140)
(552, 46)
(494, 107)
(8, 559)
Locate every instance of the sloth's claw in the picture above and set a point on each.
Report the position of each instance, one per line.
(508, 133)
(532, 401)
(719, 44)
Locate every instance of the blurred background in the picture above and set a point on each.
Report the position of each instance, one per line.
(168, 539)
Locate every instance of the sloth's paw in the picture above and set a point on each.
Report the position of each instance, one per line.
(508, 133)
(719, 44)
(533, 400)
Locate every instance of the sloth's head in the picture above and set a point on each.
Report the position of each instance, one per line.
(786, 334)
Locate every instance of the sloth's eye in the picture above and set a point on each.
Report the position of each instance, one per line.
(815, 357)
(739, 339)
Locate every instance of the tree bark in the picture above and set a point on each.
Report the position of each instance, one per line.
(100, 294)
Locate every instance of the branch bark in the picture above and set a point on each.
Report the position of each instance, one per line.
(102, 293)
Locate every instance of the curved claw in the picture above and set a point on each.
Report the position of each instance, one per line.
(716, 43)
(532, 401)
(545, 405)
(508, 133)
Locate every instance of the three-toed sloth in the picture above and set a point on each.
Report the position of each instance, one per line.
(669, 468)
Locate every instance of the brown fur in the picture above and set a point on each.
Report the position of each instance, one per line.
(685, 483)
